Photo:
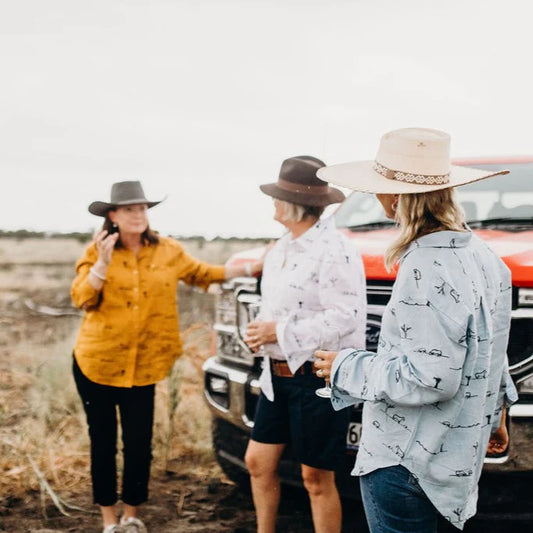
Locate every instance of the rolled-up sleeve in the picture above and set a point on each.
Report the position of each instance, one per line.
(198, 273)
(507, 394)
(83, 294)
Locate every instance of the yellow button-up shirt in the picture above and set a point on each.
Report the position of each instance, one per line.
(130, 333)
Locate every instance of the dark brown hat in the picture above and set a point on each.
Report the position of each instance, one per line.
(122, 193)
(298, 184)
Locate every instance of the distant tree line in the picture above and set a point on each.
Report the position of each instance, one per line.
(21, 234)
(86, 237)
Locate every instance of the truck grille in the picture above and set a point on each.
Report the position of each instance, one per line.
(239, 304)
(378, 292)
(520, 340)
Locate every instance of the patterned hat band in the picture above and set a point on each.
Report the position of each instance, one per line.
(420, 179)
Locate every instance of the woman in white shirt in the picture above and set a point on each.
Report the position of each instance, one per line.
(313, 296)
(436, 389)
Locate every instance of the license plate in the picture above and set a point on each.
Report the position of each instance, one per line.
(353, 436)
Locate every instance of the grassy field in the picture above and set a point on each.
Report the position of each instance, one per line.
(43, 439)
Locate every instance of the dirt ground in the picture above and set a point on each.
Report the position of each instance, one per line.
(188, 491)
(186, 503)
(43, 433)
(190, 495)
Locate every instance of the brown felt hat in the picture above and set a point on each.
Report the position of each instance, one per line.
(122, 193)
(298, 184)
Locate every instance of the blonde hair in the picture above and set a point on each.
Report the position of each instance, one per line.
(422, 213)
(296, 213)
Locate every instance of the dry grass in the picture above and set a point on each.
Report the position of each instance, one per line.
(42, 425)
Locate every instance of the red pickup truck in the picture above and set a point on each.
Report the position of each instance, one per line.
(500, 211)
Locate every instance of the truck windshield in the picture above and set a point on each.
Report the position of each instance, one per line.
(502, 200)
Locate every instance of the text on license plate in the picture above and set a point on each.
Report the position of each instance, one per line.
(353, 436)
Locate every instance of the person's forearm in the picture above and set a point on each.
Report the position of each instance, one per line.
(97, 274)
(245, 269)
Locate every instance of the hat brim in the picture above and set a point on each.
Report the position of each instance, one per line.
(333, 196)
(101, 209)
(361, 176)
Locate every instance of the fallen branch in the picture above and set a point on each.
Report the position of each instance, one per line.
(181, 501)
(50, 311)
(47, 489)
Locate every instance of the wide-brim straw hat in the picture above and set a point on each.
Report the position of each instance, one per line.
(298, 184)
(409, 160)
(122, 193)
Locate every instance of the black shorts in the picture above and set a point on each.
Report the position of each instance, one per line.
(315, 433)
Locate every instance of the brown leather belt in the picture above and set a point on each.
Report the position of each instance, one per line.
(281, 369)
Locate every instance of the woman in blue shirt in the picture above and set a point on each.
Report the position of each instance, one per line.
(435, 390)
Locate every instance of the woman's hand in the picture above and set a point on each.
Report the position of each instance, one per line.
(499, 440)
(250, 268)
(323, 362)
(259, 333)
(105, 244)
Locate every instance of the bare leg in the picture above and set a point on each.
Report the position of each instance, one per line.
(129, 511)
(324, 497)
(262, 461)
(109, 514)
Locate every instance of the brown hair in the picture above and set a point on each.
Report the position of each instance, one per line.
(419, 214)
(148, 236)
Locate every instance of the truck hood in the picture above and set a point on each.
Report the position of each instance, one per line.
(515, 248)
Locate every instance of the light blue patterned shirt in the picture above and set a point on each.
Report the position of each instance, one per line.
(434, 391)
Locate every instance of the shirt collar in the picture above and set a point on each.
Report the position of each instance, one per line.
(307, 239)
(440, 239)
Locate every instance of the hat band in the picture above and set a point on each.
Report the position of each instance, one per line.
(421, 179)
(130, 201)
(301, 188)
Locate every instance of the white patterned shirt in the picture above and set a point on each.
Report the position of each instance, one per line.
(314, 288)
(434, 391)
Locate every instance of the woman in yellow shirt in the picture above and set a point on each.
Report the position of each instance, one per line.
(127, 285)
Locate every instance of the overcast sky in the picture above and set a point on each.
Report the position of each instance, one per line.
(202, 100)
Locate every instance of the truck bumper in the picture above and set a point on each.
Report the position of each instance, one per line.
(232, 393)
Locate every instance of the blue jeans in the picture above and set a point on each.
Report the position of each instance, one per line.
(395, 503)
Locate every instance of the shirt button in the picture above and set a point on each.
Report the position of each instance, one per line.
(135, 272)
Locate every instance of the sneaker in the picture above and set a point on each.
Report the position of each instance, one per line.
(132, 525)
(113, 528)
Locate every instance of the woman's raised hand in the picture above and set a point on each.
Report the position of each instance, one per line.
(105, 244)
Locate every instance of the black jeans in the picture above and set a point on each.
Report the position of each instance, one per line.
(136, 406)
